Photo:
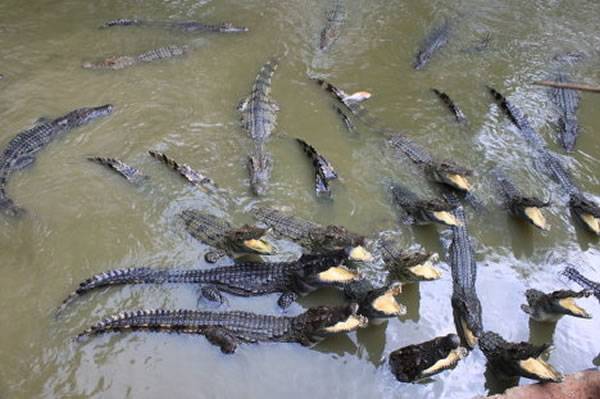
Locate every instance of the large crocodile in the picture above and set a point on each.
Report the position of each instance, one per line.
(185, 26)
(553, 306)
(576, 276)
(228, 329)
(521, 359)
(333, 25)
(416, 210)
(459, 116)
(324, 171)
(130, 173)
(415, 362)
(408, 266)
(567, 102)
(125, 61)
(291, 279)
(434, 41)
(312, 236)
(225, 240)
(465, 303)
(582, 207)
(21, 150)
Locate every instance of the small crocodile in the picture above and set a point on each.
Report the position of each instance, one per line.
(519, 205)
(260, 166)
(185, 26)
(226, 240)
(517, 359)
(553, 306)
(457, 112)
(421, 211)
(434, 41)
(20, 151)
(312, 236)
(324, 172)
(376, 304)
(574, 275)
(350, 102)
(130, 173)
(228, 329)
(192, 176)
(416, 362)
(335, 20)
(125, 61)
(408, 266)
(567, 102)
(246, 279)
(465, 303)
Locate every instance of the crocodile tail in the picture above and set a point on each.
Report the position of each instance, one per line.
(170, 162)
(574, 275)
(121, 22)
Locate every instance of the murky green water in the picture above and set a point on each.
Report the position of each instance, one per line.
(84, 220)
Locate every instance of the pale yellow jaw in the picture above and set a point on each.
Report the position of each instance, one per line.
(540, 368)
(387, 304)
(352, 323)
(460, 181)
(469, 336)
(360, 254)
(446, 217)
(571, 306)
(449, 362)
(537, 217)
(592, 222)
(260, 246)
(358, 97)
(338, 274)
(426, 271)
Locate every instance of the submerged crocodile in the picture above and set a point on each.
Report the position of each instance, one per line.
(416, 362)
(312, 236)
(408, 266)
(567, 102)
(376, 304)
(125, 61)
(260, 166)
(324, 172)
(348, 124)
(553, 306)
(457, 112)
(333, 26)
(20, 151)
(434, 41)
(465, 303)
(416, 210)
(574, 275)
(479, 45)
(228, 329)
(130, 173)
(192, 176)
(350, 102)
(583, 208)
(225, 240)
(246, 279)
(519, 205)
(186, 26)
(517, 359)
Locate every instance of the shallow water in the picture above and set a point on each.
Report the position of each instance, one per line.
(84, 220)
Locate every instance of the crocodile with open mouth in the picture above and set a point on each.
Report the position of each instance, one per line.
(553, 306)
(408, 266)
(416, 210)
(376, 304)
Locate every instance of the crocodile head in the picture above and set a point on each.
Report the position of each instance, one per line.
(380, 303)
(467, 316)
(324, 272)
(438, 211)
(551, 307)
(587, 211)
(322, 321)
(411, 266)
(81, 116)
(419, 361)
(228, 27)
(530, 209)
(249, 239)
(260, 165)
(333, 237)
(450, 174)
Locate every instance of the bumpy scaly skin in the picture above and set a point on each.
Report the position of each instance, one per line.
(324, 172)
(437, 39)
(415, 362)
(420, 211)
(408, 266)
(580, 279)
(515, 359)
(260, 166)
(459, 116)
(587, 211)
(20, 151)
(567, 102)
(130, 173)
(228, 329)
(192, 176)
(333, 26)
(259, 112)
(125, 61)
(551, 307)
(186, 26)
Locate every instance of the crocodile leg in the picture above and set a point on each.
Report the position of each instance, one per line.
(214, 255)
(221, 338)
(286, 299)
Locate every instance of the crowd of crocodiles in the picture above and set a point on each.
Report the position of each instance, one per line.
(333, 256)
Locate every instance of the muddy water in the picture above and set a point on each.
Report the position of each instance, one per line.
(84, 220)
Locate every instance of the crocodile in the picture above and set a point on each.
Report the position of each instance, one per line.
(246, 279)
(416, 210)
(335, 20)
(376, 304)
(584, 209)
(226, 240)
(194, 177)
(459, 116)
(324, 171)
(312, 236)
(553, 306)
(20, 151)
(125, 61)
(228, 329)
(517, 359)
(480, 45)
(260, 166)
(574, 275)
(435, 40)
(567, 102)
(350, 102)
(130, 173)
(408, 266)
(465, 303)
(185, 26)
(519, 205)
(348, 124)
(416, 362)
